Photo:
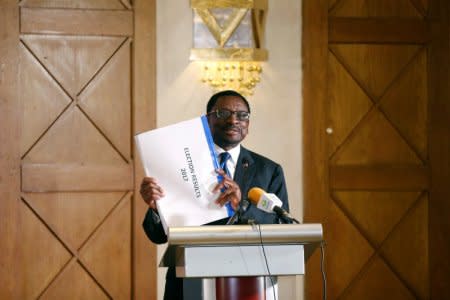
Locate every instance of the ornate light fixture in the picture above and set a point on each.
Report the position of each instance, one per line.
(227, 38)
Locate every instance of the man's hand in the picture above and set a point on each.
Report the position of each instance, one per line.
(151, 192)
(230, 191)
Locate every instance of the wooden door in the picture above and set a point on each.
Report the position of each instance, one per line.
(369, 122)
(77, 221)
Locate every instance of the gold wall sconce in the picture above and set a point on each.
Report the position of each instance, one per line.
(227, 38)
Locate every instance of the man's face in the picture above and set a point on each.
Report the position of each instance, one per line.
(228, 132)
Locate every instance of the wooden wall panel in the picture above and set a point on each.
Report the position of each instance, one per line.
(439, 150)
(97, 4)
(315, 186)
(85, 147)
(144, 113)
(413, 31)
(77, 22)
(71, 220)
(377, 176)
(9, 151)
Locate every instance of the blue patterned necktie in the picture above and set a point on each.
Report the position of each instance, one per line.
(224, 157)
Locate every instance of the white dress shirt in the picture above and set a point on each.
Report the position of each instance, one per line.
(232, 162)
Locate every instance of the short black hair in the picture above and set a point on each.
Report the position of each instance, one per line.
(212, 101)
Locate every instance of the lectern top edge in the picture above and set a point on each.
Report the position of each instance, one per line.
(245, 234)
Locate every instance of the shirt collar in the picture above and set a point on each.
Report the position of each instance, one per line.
(234, 152)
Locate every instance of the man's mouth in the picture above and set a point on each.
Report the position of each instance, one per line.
(232, 130)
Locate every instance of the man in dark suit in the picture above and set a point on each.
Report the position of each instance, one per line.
(228, 117)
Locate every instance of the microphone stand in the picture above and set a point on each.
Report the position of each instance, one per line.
(243, 206)
(284, 216)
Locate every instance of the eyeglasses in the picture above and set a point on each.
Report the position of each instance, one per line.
(225, 114)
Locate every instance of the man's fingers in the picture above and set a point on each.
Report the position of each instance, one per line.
(149, 184)
(234, 203)
(151, 191)
(230, 191)
(152, 194)
(156, 187)
(229, 195)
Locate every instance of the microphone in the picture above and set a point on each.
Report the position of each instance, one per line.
(269, 202)
(243, 205)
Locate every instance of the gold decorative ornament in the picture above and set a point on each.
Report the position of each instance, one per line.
(227, 39)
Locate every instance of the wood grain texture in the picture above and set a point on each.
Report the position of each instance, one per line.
(92, 4)
(314, 58)
(69, 148)
(412, 177)
(439, 150)
(76, 177)
(356, 30)
(376, 8)
(110, 244)
(144, 118)
(76, 21)
(10, 117)
(386, 113)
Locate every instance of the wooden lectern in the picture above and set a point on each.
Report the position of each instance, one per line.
(237, 258)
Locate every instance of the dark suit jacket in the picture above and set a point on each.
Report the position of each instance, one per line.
(252, 170)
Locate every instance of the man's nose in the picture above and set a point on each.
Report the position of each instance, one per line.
(233, 118)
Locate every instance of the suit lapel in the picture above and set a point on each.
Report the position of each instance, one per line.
(245, 171)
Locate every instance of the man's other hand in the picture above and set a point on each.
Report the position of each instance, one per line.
(151, 192)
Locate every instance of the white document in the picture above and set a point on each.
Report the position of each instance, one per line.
(182, 159)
